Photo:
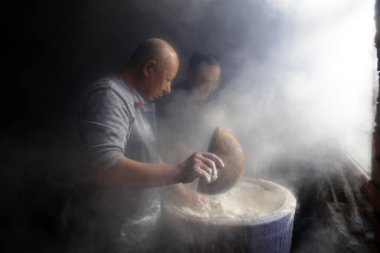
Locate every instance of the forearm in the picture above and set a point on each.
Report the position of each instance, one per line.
(133, 174)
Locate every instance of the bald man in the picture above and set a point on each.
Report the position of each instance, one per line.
(117, 201)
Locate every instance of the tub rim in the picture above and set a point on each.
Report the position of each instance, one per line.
(287, 208)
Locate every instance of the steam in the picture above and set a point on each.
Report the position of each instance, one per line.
(309, 94)
(298, 75)
(136, 234)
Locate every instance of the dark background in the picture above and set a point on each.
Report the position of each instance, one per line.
(53, 49)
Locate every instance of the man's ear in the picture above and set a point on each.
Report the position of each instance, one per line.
(149, 66)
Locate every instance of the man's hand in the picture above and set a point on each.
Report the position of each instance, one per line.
(202, 165)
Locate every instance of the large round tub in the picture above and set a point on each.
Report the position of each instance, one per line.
(255, 216)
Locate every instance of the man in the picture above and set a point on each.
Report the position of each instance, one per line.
(183, 114)
(203, 76)
(115, 205)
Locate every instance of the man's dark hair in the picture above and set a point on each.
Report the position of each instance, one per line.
(197, 59)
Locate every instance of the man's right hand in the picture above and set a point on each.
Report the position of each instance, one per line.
(202, 165)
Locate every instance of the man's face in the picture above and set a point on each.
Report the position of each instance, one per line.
(206, 80)
(159, 81)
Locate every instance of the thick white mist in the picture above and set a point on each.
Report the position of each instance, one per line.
(313, 93)
(298, 75)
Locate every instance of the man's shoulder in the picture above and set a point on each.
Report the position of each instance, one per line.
(109, 91)
(111, 84)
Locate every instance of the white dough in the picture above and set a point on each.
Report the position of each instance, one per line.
(245, 200)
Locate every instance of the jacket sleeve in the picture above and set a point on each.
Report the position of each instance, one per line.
(104, 127)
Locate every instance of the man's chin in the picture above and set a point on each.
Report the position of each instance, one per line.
(200, 95)
(155, 98)
(152, 99)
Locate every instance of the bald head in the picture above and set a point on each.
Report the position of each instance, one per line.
(153, 49)
(152, 67)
